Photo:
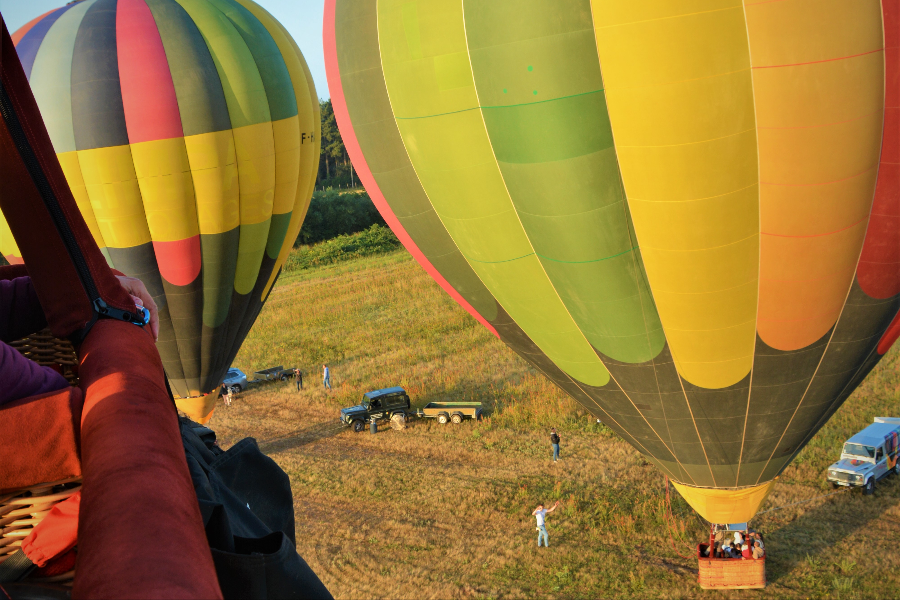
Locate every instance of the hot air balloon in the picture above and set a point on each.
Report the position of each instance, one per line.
(686, 215)
(188, 131)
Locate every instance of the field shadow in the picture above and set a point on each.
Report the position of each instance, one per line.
(301, 437)
(817, 532)
(322, 431)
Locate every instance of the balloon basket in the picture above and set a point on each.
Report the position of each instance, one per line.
(49, 351)
(22, 510)
(730, 573)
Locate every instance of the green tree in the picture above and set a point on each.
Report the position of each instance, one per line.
(334, 161)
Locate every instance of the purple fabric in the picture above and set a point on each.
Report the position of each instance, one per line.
(20, 315)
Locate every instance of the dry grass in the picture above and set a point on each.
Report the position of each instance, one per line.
(444, 511)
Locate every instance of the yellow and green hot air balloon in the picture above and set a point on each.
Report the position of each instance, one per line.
(686, 214)
(188, 131)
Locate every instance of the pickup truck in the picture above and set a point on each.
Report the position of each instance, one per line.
(278, 373)
(390, 403)
(868, 456)
(446, 412)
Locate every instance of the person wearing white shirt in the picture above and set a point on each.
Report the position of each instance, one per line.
(540, 513)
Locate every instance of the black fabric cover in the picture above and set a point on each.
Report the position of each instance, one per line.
(248, 510)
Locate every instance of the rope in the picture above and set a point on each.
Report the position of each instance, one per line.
(840, 491)
(670, 520)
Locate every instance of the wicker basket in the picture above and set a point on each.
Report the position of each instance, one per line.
(730, 573)
(44, 349)
(22, 510)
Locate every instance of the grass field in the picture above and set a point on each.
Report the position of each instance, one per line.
(445, 511)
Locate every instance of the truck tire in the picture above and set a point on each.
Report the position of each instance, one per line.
(358, 425)
(897, 467)
(456, 418)
(870, 487)
(443, 418)
(398, 421)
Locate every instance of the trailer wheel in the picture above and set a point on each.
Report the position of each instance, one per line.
(236, 389)
(358, 425)
(870, 487)
(456, 418)
(443, 418)
(897, 467)
(398, 421)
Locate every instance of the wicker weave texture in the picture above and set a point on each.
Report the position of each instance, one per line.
(45, 349)
(731, 573)
(22, 510)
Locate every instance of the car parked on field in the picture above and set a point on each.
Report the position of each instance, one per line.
(868, 456)
(390, 403)
(235, 380)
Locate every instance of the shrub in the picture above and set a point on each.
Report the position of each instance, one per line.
(332, 213)
(374, 240)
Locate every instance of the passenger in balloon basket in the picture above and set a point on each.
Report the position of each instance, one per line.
(298, 378)
(21, 315)
(757, 546)
(540, 513)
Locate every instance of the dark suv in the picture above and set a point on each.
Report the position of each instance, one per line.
(391, 403)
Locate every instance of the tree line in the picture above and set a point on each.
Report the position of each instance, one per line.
(335, 169)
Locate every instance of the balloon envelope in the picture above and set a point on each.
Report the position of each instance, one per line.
(686, 216)
(188, 131)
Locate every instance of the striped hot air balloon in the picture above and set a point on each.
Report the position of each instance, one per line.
(188, 131)
(686, 214)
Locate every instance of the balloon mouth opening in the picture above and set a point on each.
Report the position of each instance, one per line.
(725, 505)
(198, 408)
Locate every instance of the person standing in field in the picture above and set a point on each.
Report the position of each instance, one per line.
(554, 442)
(326, 376)
(540, 513)
(298, 379)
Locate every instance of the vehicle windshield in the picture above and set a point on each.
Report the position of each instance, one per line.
(859, 450)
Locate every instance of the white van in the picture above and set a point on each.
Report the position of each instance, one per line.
(868, 456)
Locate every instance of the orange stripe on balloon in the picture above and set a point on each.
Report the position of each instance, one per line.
(879, 265)
(815, 234)
(148, 94)
(813, 62)
(818, 157)
(179, 261)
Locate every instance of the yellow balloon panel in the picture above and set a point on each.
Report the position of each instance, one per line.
(164, 177)
(680, 100)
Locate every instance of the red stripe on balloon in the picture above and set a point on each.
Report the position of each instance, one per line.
(348, 135)
(179, 261)
(890, 336)
(21, 31)
(879, 264)
(148, 94)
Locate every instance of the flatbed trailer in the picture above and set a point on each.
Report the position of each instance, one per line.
(447, 412)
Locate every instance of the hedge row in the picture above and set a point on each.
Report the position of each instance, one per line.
(377, 239)
(332, 213)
